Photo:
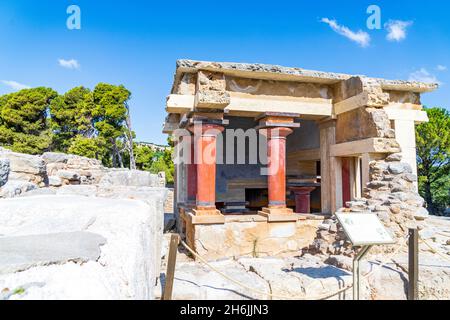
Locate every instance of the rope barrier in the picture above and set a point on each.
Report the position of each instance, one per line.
(433, 250)
(301, 297)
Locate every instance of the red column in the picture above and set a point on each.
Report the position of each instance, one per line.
(346, 192)
(192, 173)
(302, 199)
(205, 136)
(276, 153)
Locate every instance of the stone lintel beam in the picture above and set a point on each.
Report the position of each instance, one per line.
(371, 145)
(277, 120)
(211, 91)
(359, 92)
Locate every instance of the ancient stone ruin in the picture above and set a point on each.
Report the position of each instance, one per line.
(331, 142)
(71, 228)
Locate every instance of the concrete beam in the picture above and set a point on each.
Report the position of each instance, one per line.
(418, 116)
(371, 145)
(253, 105)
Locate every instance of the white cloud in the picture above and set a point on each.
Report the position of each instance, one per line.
(422, 75)
(441, 68)
(397, 29)
(360, 37)
(69, 64)
(15, 85)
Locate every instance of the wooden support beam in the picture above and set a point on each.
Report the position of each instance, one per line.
(305, 155)
(171, 263)
(327, 166)
(413, 265)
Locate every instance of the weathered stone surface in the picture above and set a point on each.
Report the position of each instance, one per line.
(4, 171)
(55, 181)
(341, 262)
(78, 190)
(254, 237)
(25, 163)
(54, 157)
(395, 157)
(421, 214)
(399, 167)
(130, 178)
(127, 267)
(296, 278)
(39, 192)
(25, 167)
(193, 282)
(14, 188)
(24, 252)
(69, 175)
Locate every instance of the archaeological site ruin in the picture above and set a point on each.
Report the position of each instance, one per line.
(326, 142)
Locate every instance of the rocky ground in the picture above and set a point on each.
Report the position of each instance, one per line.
(312, 276)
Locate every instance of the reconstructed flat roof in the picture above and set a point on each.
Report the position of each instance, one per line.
(280, 73)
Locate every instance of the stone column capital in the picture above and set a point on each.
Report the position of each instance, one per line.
(276, 132)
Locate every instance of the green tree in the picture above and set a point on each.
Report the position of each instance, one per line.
(164, 163)
(24, 120)
(112, 120)
(88, 147)
(433, 156)
(145, 157)
(71, 116)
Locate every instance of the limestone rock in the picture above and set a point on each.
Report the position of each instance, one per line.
(39, 192)
(195, 282)
(69, 175)
(14, 188)
(421, 214)
(54, 157)
(399, 167)
(4, 171)
(126, 268)
(24, 252)
(130, 178)
(395, 157)
(25, 163)
(55, 181)
(341, 262)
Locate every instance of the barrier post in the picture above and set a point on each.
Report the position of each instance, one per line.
(413, 265)
(171, 262)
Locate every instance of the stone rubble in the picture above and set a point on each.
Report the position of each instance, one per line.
(391, 194)
(21, 173)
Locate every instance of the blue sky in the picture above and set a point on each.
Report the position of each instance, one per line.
(136, 43)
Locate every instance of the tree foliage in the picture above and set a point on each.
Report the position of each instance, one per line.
(91, 123)
(71, 117)
(433, 157)
(24, 122)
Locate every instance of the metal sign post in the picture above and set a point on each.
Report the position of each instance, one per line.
(364, 230)
(357, 271)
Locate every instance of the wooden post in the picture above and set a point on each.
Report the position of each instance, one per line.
(171, 261)
(413, 265)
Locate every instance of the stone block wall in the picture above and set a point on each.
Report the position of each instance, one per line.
(20, 173)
